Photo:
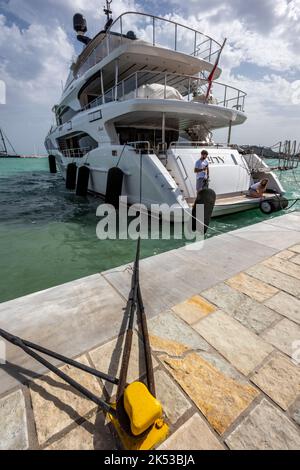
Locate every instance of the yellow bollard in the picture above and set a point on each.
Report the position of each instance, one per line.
(146, 419)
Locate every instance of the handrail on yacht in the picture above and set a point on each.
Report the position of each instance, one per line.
(76, 152)
(182, 168)
(140, 145)
(189, 144)
(204, 46)
(155, 18)
(201, 144)
(190, 89)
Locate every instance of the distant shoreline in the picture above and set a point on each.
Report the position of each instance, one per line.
(23, 156)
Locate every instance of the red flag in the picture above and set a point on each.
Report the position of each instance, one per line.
(212, 73)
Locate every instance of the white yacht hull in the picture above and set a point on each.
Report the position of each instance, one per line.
(126, 90)
(172, 182)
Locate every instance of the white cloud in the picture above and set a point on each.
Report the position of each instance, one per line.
(54, 12)
(35, 61)
(264, 33)
(272, 46)
(273, 110)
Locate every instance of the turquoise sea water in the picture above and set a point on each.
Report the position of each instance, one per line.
(48, 235)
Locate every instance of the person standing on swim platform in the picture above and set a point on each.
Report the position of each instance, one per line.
(202, 171)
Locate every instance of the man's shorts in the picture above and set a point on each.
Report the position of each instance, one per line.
(202, 183)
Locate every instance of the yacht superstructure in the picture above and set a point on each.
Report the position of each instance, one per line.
(141, 85)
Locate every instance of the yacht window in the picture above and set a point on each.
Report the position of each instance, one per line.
(153, 136)
(91, 90)
(65, 114)
(69, 79)
(95, 116)
(76, 144)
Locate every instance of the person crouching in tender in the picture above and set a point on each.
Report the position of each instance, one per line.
(202, 171)
(258, 189)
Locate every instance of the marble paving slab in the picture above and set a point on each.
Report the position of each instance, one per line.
(193, 309)
(13, 427)
(265, 428)
(108, 359)
(276, 279)
(192, 435)
(283, 266)
(254, 288)
(92, 434)
(171, 328)
(296, 260)
(174, 402)
(286, 305)
(56, 405)
(279, 378)
(219, 397)
(276, 237)
(250, 313)
(237, 344)
(285, 336)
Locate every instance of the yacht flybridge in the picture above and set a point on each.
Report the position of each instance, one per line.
(148, 85)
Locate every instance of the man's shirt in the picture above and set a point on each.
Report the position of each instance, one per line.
(201, 165)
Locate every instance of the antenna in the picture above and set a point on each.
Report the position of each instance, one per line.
(108, 13)
(107, 10)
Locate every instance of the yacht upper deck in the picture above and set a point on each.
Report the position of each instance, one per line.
(158, 85)
(153, 30)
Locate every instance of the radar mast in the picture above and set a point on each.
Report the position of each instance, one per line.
(108, 12)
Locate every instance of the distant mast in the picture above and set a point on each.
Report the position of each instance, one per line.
(3, 148)
(5, 144)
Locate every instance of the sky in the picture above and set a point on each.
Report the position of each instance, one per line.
(261, 57)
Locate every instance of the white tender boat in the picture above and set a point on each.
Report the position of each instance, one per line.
(140, 85)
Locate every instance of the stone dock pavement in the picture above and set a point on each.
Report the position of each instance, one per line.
(225, 333)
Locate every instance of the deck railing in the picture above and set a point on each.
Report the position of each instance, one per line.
(75, 153)
(199, 144)
(158, 32)
(172, 86)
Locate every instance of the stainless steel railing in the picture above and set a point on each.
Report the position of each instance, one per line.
(184, 144)
(189, 89)
(158, 32)
(168, 33)
(76, 152)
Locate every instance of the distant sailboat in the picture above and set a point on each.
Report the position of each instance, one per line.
(6, 148)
